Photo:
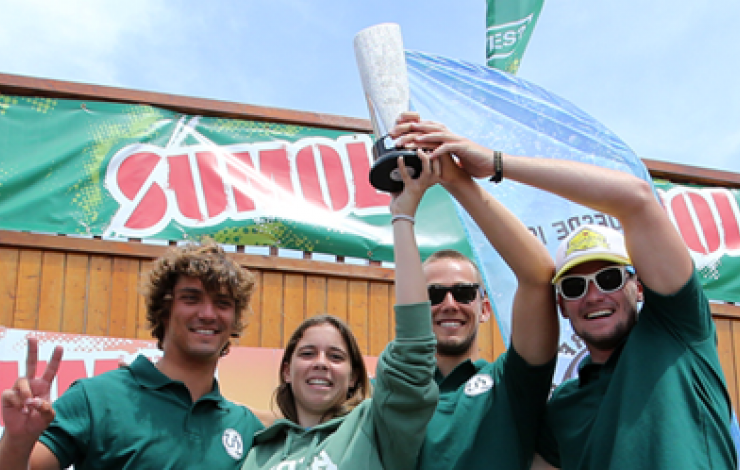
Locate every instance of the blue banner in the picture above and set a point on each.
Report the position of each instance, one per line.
(507, 113)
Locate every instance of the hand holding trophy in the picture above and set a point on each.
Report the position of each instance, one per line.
(382, 66)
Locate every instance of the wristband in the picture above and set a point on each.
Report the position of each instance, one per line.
(405, 217)
(498, 167)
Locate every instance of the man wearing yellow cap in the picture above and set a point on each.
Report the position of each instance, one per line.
(651, 394)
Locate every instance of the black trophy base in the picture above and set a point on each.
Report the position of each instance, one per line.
(385, 174)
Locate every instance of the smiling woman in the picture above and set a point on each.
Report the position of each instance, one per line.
(323, 373)
(324, 392)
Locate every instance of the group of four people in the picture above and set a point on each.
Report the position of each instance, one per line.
(651, 394)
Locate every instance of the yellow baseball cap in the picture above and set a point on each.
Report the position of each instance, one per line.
(589, 243)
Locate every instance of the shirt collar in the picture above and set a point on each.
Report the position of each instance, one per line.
(588, 371)
(148, 376)
(459, 375)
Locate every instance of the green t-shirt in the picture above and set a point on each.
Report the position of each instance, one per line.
(136, 417)
(487, 415)
(659, 402)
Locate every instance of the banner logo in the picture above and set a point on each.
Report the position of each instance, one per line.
(319, 462)
(586, 240)
(204, 184)
(708, 220)
(503, 39)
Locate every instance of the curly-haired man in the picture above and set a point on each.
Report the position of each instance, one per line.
(164, 415)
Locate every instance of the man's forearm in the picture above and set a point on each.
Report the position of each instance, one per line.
(609, 191)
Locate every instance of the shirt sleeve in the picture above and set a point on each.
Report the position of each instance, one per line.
(528, 388)
(405, 394)
(69, 434)
(686, 313)
(547, 445)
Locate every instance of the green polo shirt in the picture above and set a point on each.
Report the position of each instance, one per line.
(487, 415)
(659, 402)
(136, 417)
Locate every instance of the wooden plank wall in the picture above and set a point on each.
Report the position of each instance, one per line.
(87, 286)
(727, 321)
(57, 283)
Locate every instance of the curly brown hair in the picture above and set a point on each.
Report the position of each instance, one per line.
(206, 261)
(361, 390)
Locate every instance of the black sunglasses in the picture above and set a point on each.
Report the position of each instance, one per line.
(609, 279)
(462, 293)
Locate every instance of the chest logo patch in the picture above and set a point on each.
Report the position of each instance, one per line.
(478, 384)
(233, 444)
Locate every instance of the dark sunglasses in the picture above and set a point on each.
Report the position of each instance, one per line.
(462, 293)
(609, 279)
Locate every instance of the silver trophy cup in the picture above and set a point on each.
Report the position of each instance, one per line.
(382, 66)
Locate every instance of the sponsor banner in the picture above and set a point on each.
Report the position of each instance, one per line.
(502, 112)
(709, 222)
(133, 171)
(509, 26)
(98, 168)
(246, 375)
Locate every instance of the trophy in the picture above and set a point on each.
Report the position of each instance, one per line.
(382, 66)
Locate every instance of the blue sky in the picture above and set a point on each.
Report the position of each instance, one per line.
(662, 75)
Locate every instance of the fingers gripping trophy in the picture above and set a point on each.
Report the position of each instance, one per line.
(382, 66)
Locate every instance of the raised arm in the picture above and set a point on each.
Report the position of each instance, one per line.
(655, 247)
(405, 395)
(27, 412)
(534, 315)
(410, 286)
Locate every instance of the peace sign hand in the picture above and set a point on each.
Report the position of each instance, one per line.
(27, 410)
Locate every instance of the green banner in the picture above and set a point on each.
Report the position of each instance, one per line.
(131, 171)
(709, 222)
(509, 25)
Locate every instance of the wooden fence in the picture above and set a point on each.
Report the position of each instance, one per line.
(67, 284)
(89, 286)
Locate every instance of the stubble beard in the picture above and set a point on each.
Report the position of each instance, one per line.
(618, 334)
(452, 348)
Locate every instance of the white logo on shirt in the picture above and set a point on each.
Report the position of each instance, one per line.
(478, 384)
(233, 443)
(320, 462)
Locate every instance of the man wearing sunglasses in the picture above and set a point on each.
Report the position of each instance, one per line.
(488, 412)
(651, 395)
